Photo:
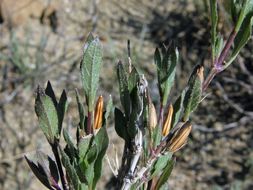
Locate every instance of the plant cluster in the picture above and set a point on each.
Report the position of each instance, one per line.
(149, 141)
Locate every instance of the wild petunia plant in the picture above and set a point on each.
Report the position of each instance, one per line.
(150, 141)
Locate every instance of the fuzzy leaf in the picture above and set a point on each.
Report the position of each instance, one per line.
(157, 58)
(166, 70)
(133, 79)
(47, 115)
(160, 164)
(194, 92)
(90, 69)
(70, 170)
(39, 173)
(235, 6)
(87, 164)
(70, 145)
(157, 136)
(89, 39)
(83, 187)
(120, 124)
(219, 44)
(80, 110)
(123, 89)
(83, 145)
(50, 92)
(242, 38)
(45, 169)
(166, 174)
(109, 108)
(92, 152)
(102, 141)
(214, 22)
(246, 10)
(61, 109)
(178, 108)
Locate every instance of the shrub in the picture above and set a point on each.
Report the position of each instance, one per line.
(150, 141)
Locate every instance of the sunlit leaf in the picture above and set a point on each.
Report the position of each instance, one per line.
(90, 69)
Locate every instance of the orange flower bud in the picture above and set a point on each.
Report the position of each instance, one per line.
(180, 137)
(98, 113)
(152, 116)
(167, 123)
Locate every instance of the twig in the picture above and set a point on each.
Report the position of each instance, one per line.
(225, 128)
(231, 103)
(134, 160)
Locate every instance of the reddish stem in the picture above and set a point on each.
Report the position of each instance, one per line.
(89, 128)
(218, 64)
(59, 165)
(225, 50)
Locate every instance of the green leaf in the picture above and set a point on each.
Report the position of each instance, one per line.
(157, 136)
(80, 110)
(219, 44)
(45, 169)
(102, 141)
(157, 58)
(47, 115)
(61, 109)
(109, 108)
(178, 108)
(84, 145)
(87, 164)
(83, 187)
(50, 92)
(242, 38)
(88, 157)
(92, 152)
(123, 89)
(160, 164)
(246, 10)
(194, 92)
(120, 124)
(166, 70)
(214, 22)
(70, 145)
(90, 69)
(89, 39)
(235, 6)
(166, 174)
(70, 170)
(133, 79)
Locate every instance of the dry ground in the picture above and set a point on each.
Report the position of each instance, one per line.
(41, 40)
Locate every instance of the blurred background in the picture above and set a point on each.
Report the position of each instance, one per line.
(42, 40)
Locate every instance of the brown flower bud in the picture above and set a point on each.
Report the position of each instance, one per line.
(200, 73)
(180, 137)
(152, 116)
(167, 123)
(98, 113)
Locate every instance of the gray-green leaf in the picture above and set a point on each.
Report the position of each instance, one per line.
(47, 115)
(90, 70)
